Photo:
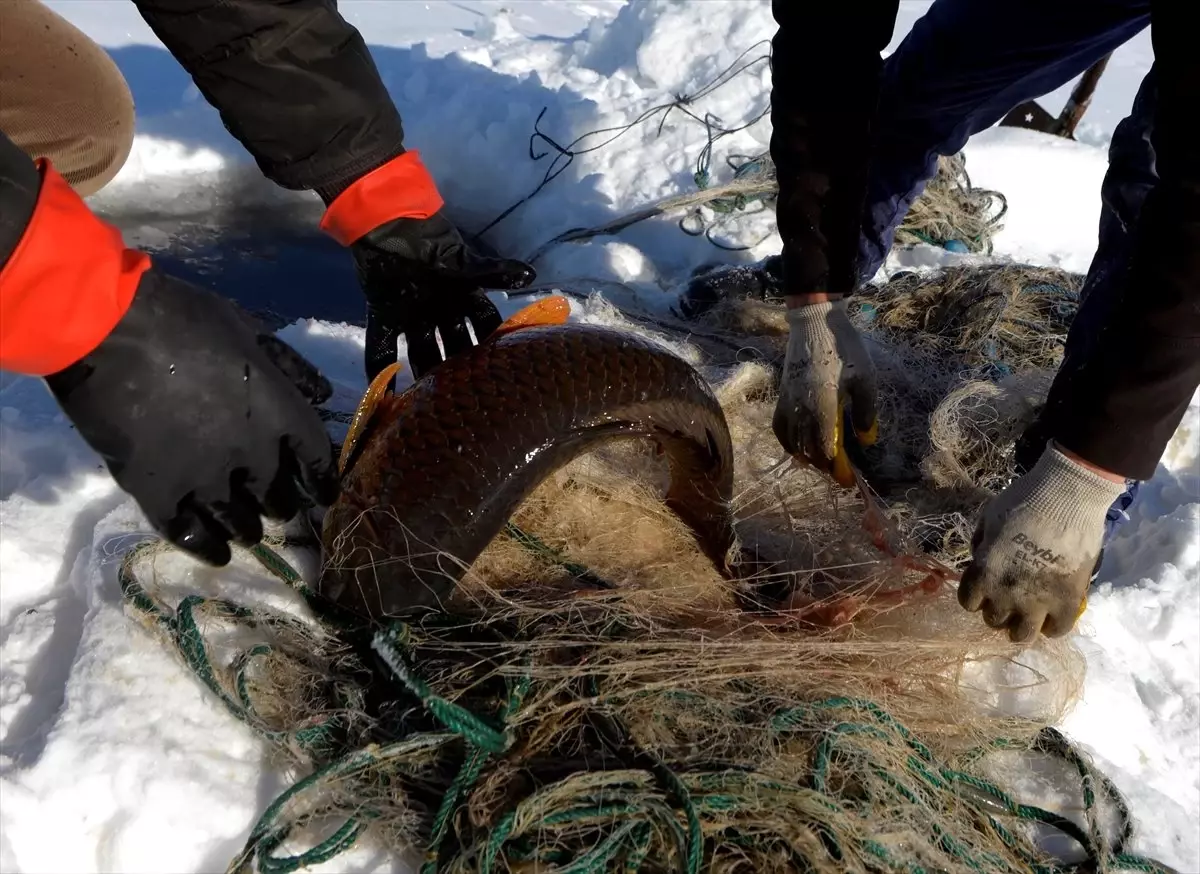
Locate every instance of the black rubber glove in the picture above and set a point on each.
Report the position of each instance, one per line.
(419, 275)
(204, 419)
(711, 285)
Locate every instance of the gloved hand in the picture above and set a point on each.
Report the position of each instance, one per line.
(419, 275)
(1036, 546)
(826, 365)
(414, 268)
(206, 421)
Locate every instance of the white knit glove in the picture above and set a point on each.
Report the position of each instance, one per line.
(826, 364)
(1036, 546)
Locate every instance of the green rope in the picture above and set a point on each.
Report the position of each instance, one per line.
(543, 550)
(459, 787)
(474, 730)
(1050, 742)
(183, 630)
(615, 824)
(694, 224)
(629, 837)
(272, 829)
(760, 164)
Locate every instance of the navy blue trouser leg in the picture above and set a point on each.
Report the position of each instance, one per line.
(960, 70)
(963, 66)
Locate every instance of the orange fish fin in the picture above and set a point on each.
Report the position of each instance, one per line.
(547, 311)
(366, 409)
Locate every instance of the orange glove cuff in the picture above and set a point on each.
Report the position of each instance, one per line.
(68, 283)
(401, 188)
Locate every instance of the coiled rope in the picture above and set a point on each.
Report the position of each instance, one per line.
(589, 821)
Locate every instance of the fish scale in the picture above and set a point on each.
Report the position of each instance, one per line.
(520, 406)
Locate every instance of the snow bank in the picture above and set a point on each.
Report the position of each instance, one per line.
(1141, 707)
(113, 759)
(1064, 180)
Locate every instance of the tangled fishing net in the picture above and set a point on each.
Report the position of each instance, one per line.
(950, 212)
(951, 209)
(593, 700)
(965, 356)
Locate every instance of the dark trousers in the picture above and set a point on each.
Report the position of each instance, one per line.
(960, 70)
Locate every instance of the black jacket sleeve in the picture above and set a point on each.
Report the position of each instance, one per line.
(293, 81)
(825, 67)
(1120, 406)
(19, 185)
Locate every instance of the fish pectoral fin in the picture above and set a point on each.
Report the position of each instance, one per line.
(366, 409)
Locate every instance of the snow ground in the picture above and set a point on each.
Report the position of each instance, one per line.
(113, 759)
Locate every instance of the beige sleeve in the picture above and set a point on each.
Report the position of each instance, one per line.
(62, 97)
